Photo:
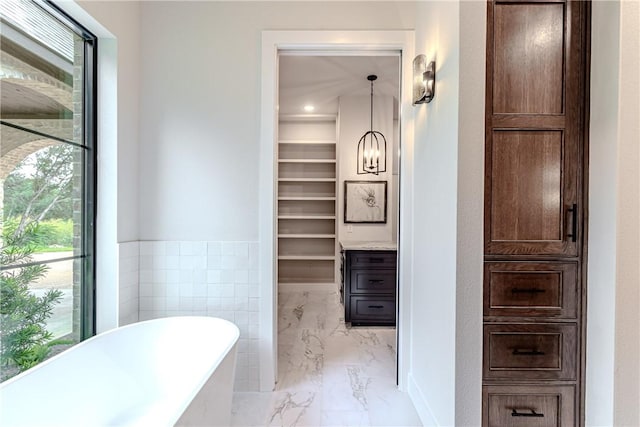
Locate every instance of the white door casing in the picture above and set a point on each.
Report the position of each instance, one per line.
(335, 43)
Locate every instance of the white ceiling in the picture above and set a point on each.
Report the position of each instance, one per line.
(320, 80)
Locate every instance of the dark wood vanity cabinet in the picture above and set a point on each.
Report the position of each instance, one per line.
(369, 287)
(535, 209)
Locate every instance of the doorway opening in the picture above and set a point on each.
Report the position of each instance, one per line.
(336, 44)
(337, 228)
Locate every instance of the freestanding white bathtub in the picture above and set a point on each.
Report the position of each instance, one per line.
(164, 372)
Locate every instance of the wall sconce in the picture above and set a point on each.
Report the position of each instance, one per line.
(424, 80)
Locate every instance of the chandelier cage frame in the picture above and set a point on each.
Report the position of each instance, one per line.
(372, 147)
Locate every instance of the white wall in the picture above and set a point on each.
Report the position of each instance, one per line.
(613, 319)
(435, 211)
(470, 233)
(627, 336)
(122, 20)
(601, 280)
(354, 122)
(128, 279)
(200, 107)
(116, 26)
(200, 116)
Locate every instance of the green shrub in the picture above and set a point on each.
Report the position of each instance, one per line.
(23, 335)
(51, 233)
(57, 232)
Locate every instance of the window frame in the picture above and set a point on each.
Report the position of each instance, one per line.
(89, 172)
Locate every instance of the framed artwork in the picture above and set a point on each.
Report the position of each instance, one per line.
(365, 202)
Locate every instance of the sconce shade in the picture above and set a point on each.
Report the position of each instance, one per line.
(372, 147)
(424, 80)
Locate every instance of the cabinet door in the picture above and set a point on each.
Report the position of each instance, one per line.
(534, 113)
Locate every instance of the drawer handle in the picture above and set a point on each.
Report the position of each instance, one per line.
(532, 352)
(378, 260)
(376, 306)
(531, 413)
(527, 291)
(376, 281)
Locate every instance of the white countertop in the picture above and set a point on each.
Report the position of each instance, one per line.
(355, 245)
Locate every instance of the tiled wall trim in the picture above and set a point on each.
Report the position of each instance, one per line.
(217, 279)
(128, 256)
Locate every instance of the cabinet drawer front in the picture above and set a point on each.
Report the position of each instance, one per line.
(380, 310)
(386, 259)
(373, 281)
(530, 351)
(530, 406)
(530, 289)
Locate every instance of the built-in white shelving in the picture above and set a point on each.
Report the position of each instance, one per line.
(307, 236)
(303, 198)
(306, 179)
(307, 199)
(312, 217)
(307, 142)
(306, 257)
(306, 160)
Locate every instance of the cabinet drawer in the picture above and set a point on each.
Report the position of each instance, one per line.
(530, 406)
(386, 259)
(530, 351)
(531, 289)
(365, 310)
(372, 281)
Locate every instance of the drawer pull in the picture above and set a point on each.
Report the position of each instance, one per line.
(532, 352)
(527, 291)
(376, 306)
(376, 281)
(531, 413)
(377, 260)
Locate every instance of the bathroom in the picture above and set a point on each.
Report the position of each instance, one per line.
(180, 176)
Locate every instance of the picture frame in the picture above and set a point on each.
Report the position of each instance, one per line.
(365, 202)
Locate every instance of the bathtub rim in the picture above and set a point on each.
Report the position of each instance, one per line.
(197, 386)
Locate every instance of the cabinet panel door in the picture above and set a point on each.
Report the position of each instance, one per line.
(533, 193)
(528, 61)
(526, 194)
(534, 116)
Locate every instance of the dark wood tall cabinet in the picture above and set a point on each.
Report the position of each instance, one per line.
(535, 212)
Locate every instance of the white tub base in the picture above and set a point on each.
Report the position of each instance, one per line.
(163, 372)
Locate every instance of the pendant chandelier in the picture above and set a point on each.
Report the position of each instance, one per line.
(372, 147)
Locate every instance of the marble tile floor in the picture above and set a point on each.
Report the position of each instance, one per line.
(329, 374)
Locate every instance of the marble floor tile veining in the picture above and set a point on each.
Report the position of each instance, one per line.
(328, 373)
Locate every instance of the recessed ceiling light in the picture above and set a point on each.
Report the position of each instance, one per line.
(309, 108)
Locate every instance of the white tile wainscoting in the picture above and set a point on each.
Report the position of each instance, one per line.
(128, 261)
(218, 279)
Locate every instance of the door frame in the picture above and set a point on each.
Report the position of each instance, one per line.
(338, 42)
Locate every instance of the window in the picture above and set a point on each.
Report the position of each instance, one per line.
(47, 172)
